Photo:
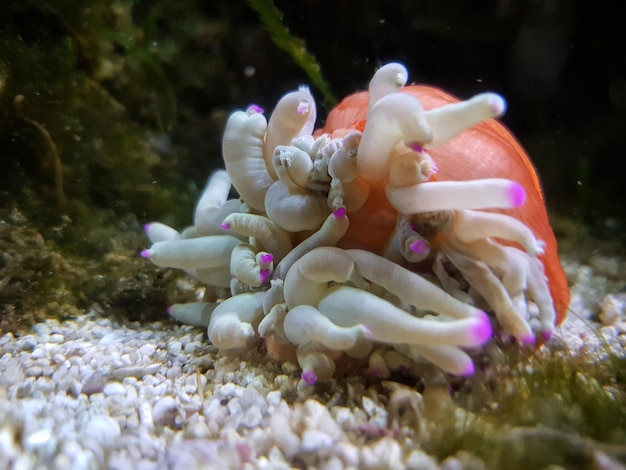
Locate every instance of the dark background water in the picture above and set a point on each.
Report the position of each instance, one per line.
(135, 94)
(560, 64)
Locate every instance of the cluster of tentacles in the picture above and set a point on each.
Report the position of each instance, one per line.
(344, 243)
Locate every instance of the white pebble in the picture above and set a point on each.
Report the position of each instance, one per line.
(34, 371)
(384, 453)
(114, 388)
(39, 352)
(147, 349)
(42, 442)
(165, 412)
(273, 398)
(420, 460)
(316, 441)
(344, 417)
(103, 429)
(192, 347)
(56, 338)
(612, 310)
(44, 385)
(348, 453)
(110, 338)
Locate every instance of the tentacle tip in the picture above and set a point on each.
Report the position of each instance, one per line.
(255, 109)
(225, 226)
(419, 246)
(375, 372)
(145, 253)
(309, 377)
(539, 249)
(527, 339)
(303, 107)
(497, 105)
(367, 332)
(546, 335)
(267, 258)
(170, 311)
(482, 329)
(147, 226)
(400, 79)
(263, 275)
(416, 147)
(339, 213)
(467, 370)
(517, 194)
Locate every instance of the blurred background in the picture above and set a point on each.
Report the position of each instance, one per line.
(111, 111)
(174, 69)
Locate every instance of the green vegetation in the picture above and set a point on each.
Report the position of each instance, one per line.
(272, 18)
(535, 410)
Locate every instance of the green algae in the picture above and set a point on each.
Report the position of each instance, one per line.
(104, 152)
(533, 411)
(272, 18)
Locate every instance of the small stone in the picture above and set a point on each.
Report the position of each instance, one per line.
(58, 359)
(7, 339)
(173, 372)
(136, 371)
(273, 398)
(56, 338)
(316, 441)
(24, 390)
(42, 442)
(39, 352)
(44, 385)
(93, 384)
(344, 417)
(420, 460)
(175, 347)
(147, 349)
(34, 371)
(252, 417)
(192, 347)
(611, 310)
(114, 388)
(103, 429)
(166, 412)
(384, 453)
(110, 338)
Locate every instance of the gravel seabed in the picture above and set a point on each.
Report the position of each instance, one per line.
(92, 393)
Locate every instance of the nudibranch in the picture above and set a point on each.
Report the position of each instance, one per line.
(389, 235)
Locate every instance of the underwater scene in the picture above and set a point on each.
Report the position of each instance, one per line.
(276, 234)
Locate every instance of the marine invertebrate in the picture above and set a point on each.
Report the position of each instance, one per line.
(327, 249)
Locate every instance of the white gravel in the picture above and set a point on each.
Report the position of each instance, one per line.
(90, 393)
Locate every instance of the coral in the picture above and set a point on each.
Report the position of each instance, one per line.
(350, 237)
